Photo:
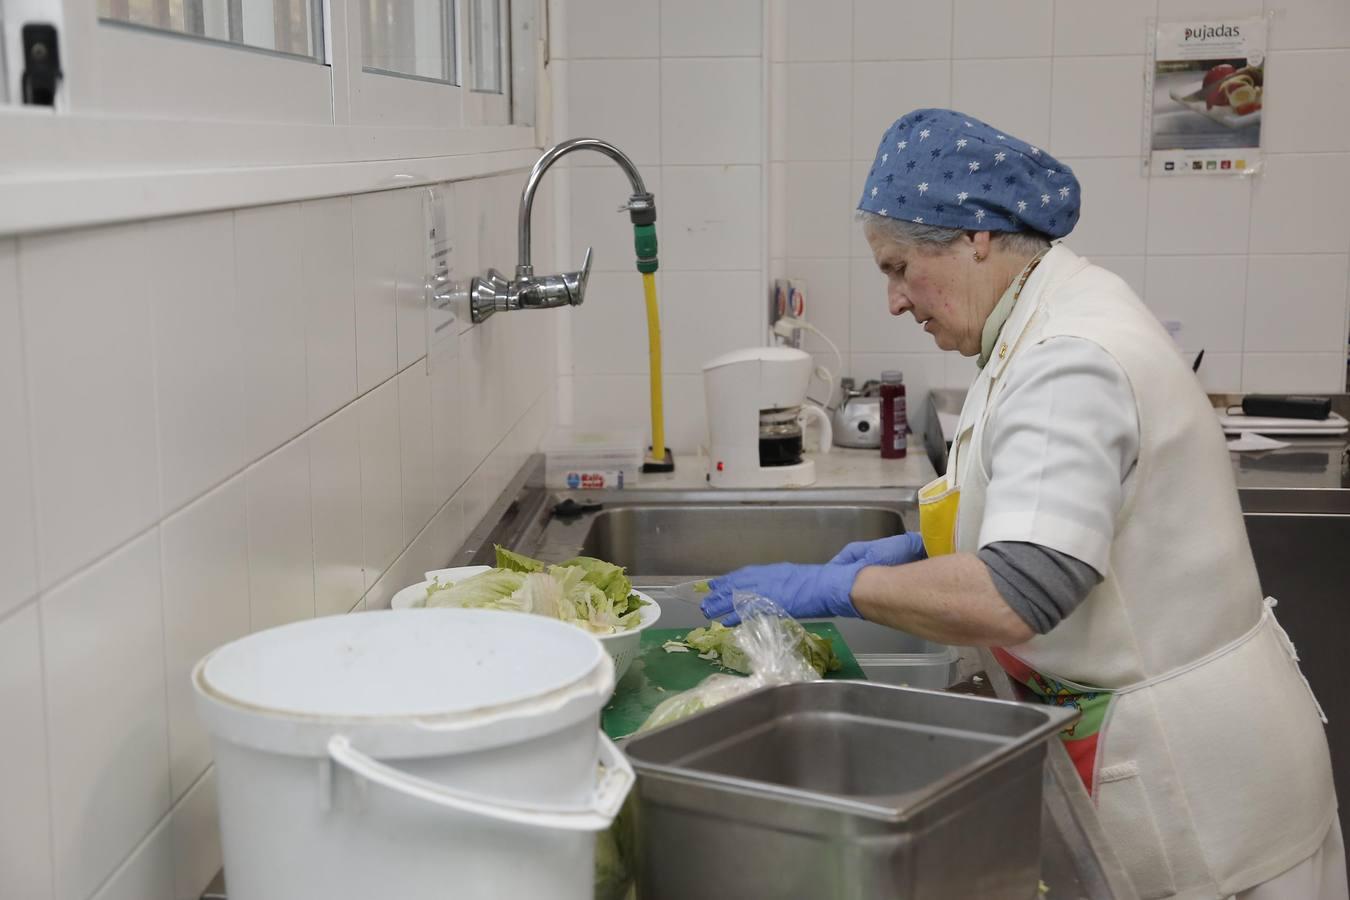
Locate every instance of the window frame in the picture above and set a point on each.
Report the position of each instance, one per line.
(115, 69)
(151, 155)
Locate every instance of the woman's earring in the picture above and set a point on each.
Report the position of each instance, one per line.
(978, 257)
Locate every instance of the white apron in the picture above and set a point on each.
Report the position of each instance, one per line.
(1200, 740)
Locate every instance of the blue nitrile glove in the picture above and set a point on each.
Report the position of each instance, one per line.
(891, 551)
(804, 592)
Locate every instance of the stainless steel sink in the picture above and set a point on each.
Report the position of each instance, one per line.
(665, 537)
(708, 539)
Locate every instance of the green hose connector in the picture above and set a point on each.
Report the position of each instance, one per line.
(644, 242)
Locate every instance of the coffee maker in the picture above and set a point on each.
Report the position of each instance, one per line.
(756, 405)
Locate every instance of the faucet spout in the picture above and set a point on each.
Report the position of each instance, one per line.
(641, 199)
(493, 292)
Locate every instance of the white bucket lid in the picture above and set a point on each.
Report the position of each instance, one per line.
(403, 682)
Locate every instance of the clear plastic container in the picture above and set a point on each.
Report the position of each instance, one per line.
(577, 459)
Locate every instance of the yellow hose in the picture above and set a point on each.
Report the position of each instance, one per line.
(654, 352)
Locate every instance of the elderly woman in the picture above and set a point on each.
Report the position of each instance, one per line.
(1087, 529)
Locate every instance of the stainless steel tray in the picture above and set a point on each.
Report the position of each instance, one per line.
(845, 790)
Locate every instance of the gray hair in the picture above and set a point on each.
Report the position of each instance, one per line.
(932, 237)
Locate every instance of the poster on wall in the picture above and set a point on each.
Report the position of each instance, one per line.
(1205, 97)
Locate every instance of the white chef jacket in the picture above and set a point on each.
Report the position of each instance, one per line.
(1061, 447)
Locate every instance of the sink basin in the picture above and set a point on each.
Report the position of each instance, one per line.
(666, 537)
(712, 539)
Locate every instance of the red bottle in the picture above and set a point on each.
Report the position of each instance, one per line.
(894, 422)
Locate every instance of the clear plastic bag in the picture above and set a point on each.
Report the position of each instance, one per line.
(770, 642)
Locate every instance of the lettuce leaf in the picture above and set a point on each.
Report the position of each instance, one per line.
(566, 592)
(516, 562)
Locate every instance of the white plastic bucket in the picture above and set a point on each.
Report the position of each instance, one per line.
(415, 754)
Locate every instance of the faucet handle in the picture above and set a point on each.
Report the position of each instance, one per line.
(582, 277)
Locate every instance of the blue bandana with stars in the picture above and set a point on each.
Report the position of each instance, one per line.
(940, 167)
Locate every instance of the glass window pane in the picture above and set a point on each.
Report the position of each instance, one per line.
(415, 38)
(485, 26)
(286, 26)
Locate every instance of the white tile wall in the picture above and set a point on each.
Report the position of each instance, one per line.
(417, 473)
(910, 29)
(1286, 304)
(280, 539)
(816, 124)
(410, 254)
(607, 28)
(103, 660)
(817, 209)
(335, 505)
(711, 111)
(1292, 372)
(194, 832)
(1295, 125)
(376, 266)
(713, 217)
(89, 387)
(1084, 87)
(108, 792)
(711, 27)
(613, 99)
(25, 823)
(1205, 294)
(1005, 93)
(269, 274)
(706, 314)
(204, 551)
(381, 479)
(1198, 215)
(990, 29)
(609, 330)
(1092, 29)
(330, 306)
(1297, 205)
(1309, 24)
(148, 872)
(814, 30)
(17, 550)
(198, 347)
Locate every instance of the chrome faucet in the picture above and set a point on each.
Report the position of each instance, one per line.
(493, 293)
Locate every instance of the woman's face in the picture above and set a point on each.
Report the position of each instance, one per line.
(932, 284)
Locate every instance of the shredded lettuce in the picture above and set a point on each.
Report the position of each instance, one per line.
(589, 593)
(719, 643)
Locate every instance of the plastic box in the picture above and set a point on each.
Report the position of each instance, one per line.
(579, 460)
(934, 669)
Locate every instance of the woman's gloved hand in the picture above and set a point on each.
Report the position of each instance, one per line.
(891, 551)
(804, 592)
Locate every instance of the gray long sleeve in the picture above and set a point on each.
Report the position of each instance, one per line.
(1041, 585)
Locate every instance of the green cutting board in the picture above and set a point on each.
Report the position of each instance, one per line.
(657, 675)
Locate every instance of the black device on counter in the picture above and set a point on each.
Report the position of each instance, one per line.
(1279, 406)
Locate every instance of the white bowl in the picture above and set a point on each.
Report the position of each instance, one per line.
(622, 647)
